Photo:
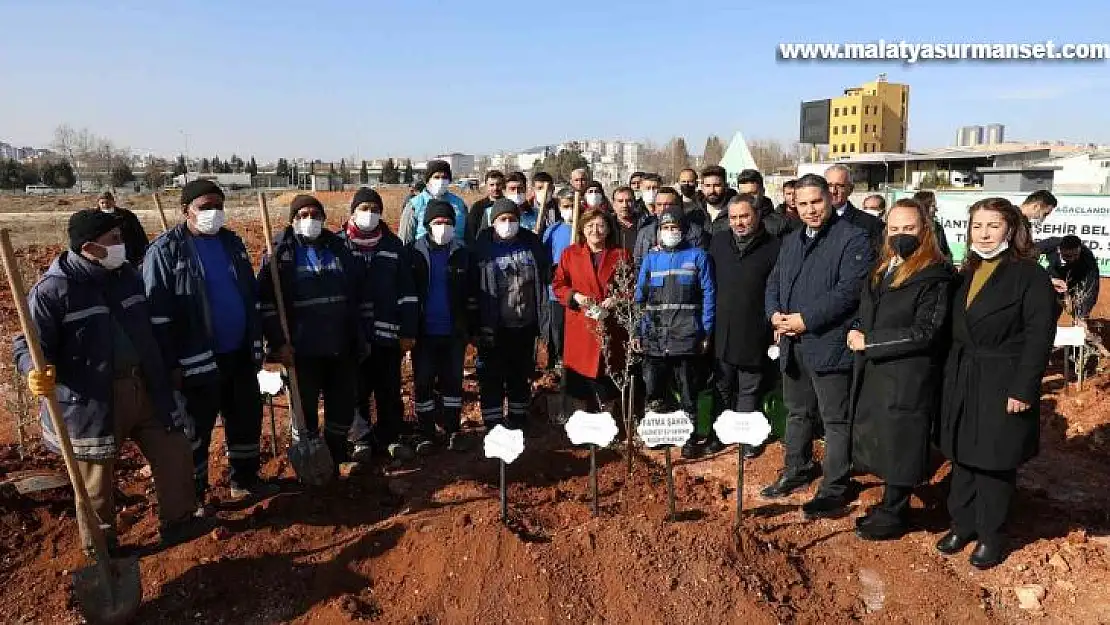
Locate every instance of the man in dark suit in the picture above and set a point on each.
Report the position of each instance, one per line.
(839, 178)
(811, 300)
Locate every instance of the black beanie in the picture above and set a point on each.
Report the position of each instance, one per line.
(302, 201)
(673, 215)
(435, 167)
(502, 206)
(89, 225)
(366, 195)
(198, 188)
(437, 209)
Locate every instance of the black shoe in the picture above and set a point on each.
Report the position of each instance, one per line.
(880, 527)
(987, 556)
(713, 446)
(824, 506)
(952, 543)
(751, 453)
(691, 450)
(457, 441)
(787, 484)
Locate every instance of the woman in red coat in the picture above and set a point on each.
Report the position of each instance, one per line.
(583, 283)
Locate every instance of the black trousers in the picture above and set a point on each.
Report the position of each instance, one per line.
(895, 504)
(737, 388)
(665, 374)
(437, 367)
(552, 332)
(235, 398)
(979, 501)
(335, 380)
(810, 397)
(380, 377)
(506, 373)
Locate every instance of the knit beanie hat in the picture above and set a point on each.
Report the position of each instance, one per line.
(199, 188)
(302, 201)
(89, 225)
(435, 167)
(673, 215)
(502, 206)
(366, 195)
(437, 209)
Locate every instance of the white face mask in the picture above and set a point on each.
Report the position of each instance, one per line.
(541, 196)
(670, 238)
(308, 228)
(989, 254)
(117, 256)
(567, 214)
(593, 199)
(367, 220)
(437, 186)
(441, 234)
(209, 222)
(649, 197)
(506, 229)
(109, 210)
(517, 198)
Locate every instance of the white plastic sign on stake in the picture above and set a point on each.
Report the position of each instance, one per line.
(504, 444)
(1070, 336)
(587, 428)
(665, 429)
(269, 382)
(746, 428)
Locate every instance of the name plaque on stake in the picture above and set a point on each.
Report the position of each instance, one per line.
(504, 444)
(1070, 336)
(587, 428)
(665, 429)
(746, 428)
(269, 382)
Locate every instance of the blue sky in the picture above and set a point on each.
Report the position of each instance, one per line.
(336, 78)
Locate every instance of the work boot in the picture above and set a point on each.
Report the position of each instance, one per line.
(362, 453)
(713, 446)
(400, 452)
(824, 506)
(425, 447)
(691, 450)
(880, 524)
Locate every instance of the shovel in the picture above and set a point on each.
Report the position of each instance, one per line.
(308, 455)
(108, 591)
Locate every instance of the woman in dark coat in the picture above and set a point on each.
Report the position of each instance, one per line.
(899, 348)
(1002, 334)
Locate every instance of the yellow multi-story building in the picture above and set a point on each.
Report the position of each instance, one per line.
(870, 118)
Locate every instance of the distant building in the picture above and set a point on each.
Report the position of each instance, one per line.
(1081, 173)
(871, 118)
(969, 136)
(462, 165)
(227, 181)
(1017, 178)
(996, 133)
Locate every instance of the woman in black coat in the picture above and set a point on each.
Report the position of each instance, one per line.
(899, 348)
(1002, 334)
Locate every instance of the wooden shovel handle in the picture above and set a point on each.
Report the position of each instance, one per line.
(161, 213)
(279, 302)
(19, 296)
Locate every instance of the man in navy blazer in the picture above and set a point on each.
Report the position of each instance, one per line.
(812, 296)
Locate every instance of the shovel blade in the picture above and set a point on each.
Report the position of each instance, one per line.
(37, 482)
(109, 593)
(312, 461)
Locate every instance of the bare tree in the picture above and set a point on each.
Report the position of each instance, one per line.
(771, 155)
(714, 151)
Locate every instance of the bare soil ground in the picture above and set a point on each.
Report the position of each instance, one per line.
(423, 543)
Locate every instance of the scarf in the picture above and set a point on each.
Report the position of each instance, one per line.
(364, 241)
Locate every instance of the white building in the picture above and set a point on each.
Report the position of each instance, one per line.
(633, 153)
(1081, 173)
(526, 159)
(462, 165)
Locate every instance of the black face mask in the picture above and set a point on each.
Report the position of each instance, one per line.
(687, 190)
(904, 245)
